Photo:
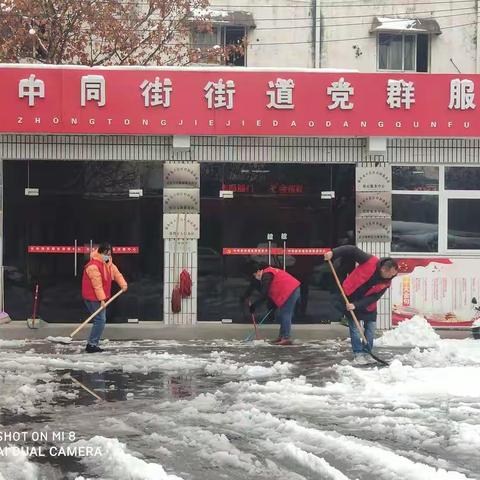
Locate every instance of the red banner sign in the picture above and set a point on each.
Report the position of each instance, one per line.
(81, 250)
(276, 251)
(207, 101)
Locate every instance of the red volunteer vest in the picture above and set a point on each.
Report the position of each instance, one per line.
(361, 275)
(88, 292)
(282, 286)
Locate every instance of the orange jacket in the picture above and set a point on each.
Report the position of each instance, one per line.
(93, 275)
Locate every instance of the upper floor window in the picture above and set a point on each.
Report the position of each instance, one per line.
(403, 52)
(222, 45)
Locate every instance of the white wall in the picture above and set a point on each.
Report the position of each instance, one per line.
(274, 20)
(456, 43)
(353, 29)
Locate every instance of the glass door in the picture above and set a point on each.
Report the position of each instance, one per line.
(282, 200)
(314, 205)
(48, 237)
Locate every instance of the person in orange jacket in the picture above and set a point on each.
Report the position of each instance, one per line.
(96, 289)
(283, 290)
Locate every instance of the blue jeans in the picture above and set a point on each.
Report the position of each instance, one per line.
(285, 313)
(98, 321)
(369, 324)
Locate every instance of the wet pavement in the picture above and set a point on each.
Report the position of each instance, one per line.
(215, 410)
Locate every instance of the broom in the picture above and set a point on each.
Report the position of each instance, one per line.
(34, 322)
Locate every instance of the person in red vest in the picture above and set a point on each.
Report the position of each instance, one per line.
(96, 289)
(283, 290)
(364, 286)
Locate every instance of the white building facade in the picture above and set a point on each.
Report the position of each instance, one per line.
(402, 194)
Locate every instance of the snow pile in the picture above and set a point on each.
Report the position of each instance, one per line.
(318, 449)
(464, 438)
(14, 465)
(404, 383)
(446, 353)
(59, 339)
(218, 449)
(30, 391)
(416, 332)
(312, 462)
(116, 463)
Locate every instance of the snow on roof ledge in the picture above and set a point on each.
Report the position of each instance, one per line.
(414, 25)
(229, 17)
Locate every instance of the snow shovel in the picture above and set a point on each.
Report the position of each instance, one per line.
(354, 317)
(68, 340)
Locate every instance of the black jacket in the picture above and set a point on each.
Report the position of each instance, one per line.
(358, 297)
(263, 287)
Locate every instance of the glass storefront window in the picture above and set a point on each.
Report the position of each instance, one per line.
(462, 178)
(82, 202)
(414, 223)
(417, 178)
(271, 198)
(464, 223)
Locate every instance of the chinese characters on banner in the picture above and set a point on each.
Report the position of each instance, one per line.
(235, 102)
(276, 188)
(445, 291)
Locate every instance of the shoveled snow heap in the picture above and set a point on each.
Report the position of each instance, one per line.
(14, 465)
(416, 332)
(117, 463)
(59, 339)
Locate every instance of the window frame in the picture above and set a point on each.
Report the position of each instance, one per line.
(403, 35)
(220, 33)
(444, 196)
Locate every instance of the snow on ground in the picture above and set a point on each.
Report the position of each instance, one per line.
(29, 381)
(115, 462)
(12, 343)
(416, 332)
(16, 466)
(227, 409)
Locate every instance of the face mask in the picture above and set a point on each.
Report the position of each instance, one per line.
(106, 258)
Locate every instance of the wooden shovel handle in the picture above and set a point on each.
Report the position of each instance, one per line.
(345, 298)
(96, 312)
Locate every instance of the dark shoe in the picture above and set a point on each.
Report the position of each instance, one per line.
(284, 342)
(93, 348)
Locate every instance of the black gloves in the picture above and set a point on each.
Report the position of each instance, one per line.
(252, 308)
